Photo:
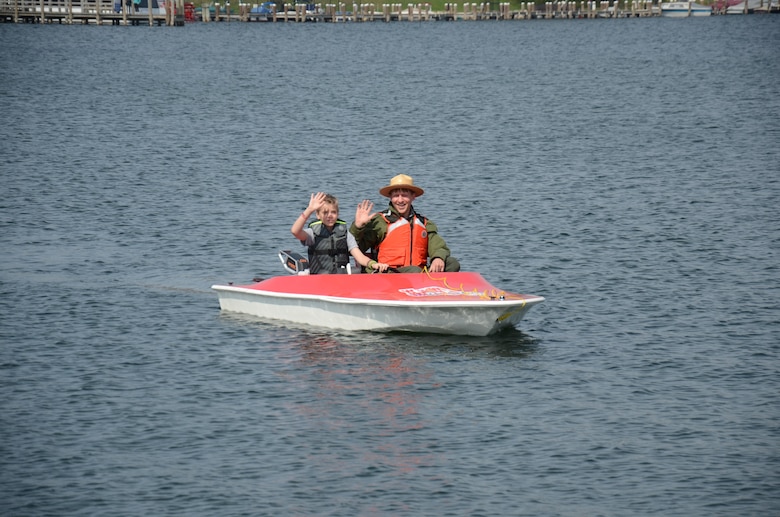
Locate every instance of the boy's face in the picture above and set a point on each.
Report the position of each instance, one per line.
(328, 213)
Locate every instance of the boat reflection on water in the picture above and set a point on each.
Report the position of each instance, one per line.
(364, 401)
(381, 386)
(371, 391)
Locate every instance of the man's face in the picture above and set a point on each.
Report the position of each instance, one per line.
(402, 200)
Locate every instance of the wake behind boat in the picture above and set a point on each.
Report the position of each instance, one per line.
(443, 303)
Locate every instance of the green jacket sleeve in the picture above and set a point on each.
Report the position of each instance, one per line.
(371, 234)
(437, 248)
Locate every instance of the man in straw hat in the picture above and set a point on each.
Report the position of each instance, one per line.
(399, 236)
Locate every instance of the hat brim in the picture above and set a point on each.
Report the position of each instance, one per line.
(385, 191)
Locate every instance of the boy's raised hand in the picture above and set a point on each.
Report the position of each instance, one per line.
(316, 201)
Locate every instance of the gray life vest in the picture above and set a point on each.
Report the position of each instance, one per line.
(329, 252)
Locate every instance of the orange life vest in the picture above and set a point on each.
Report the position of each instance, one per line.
(405, 243)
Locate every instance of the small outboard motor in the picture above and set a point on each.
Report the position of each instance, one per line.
(294, 263)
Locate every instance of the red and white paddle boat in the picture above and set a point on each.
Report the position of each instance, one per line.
(441, 303)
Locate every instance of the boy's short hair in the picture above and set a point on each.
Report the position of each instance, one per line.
(331, 200)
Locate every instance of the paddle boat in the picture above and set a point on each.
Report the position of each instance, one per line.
(442, 303)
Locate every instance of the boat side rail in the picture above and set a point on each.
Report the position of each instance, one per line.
(21, 7)
(59, 6)
(82, 10)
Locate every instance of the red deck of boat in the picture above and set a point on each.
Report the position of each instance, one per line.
(391, 287)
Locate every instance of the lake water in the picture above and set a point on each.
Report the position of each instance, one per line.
(627, 170)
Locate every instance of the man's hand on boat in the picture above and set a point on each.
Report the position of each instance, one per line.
(378, 267)
(437, 265)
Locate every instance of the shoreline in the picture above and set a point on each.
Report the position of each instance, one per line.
(178, 13)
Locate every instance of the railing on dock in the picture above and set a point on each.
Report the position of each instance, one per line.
(175, 12)
(357, 12)
(98, 12)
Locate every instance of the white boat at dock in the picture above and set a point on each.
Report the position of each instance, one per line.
(684, 9)
(752, 6)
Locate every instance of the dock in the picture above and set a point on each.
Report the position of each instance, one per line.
(467, 11)
(97, 12)
(178, 12)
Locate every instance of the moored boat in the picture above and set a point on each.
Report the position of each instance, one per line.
(684, 9)
(262, 12)
(443, 303)
(750, 6)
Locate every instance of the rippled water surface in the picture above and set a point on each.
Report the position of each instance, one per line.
(627, 170)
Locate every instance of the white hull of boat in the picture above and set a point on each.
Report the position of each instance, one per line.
(456, 317)
(752, 6)
(684, 10)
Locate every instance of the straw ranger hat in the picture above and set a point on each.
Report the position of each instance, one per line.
(401, 181)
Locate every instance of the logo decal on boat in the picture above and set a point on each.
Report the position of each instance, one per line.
(435, 291)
